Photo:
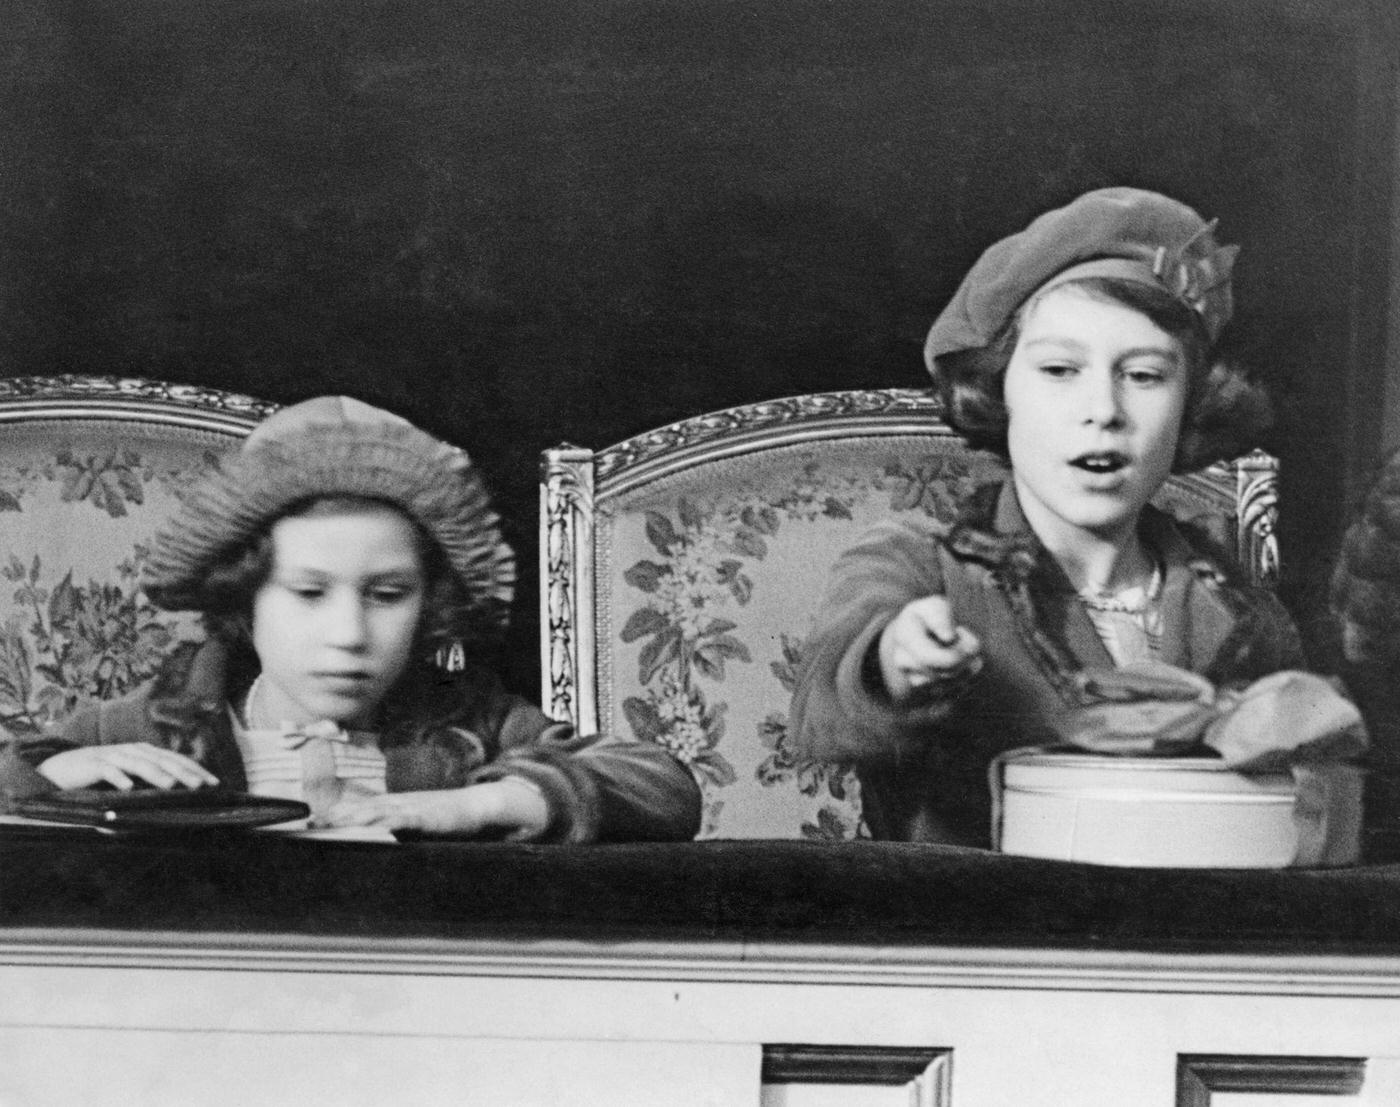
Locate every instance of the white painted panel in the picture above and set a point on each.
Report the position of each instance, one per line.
(1382, 1087)
(46, 1067)
(613, 1035)
(835, 1095)
(1279, 1099)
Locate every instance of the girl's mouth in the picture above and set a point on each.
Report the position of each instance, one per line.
(1101, 463)
(344, 682)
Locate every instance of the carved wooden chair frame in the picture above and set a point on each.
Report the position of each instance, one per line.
(130, 399)
(574, 481)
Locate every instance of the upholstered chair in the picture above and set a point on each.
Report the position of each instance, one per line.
(680, 569)
(89, 468)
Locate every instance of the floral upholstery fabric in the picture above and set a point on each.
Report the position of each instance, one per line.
(79, 501)
(707, 582)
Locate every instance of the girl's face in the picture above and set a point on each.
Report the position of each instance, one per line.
(1096, 393)
(334, 625)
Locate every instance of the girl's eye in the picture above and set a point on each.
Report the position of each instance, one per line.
(1057, 369)
(1145, 375)
(307, 592)
(389, 595)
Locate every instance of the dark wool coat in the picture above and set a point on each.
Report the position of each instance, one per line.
(596, 790)
(923, 765)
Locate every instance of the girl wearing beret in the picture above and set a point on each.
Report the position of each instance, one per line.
(348, 566)
(1082, 351)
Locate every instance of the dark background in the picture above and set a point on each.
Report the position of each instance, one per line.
(578, 219)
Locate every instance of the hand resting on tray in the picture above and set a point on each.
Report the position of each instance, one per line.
(127, 766)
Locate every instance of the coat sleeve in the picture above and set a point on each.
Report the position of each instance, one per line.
(19, 778)
(597, 789)
(113, 722)
(20, 758)
(840, 709)
(1264, 640)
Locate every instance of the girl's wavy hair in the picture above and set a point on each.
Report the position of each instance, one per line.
(416, 703)
(1225, 411)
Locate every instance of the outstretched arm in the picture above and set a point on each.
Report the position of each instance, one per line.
(886, 656)
(541, 781)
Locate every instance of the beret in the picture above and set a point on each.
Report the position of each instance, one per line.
(1121, 232)
(328, 446)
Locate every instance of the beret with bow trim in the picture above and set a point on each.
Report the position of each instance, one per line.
(1119, 232)
(328, 446)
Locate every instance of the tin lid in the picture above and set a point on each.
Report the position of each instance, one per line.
(1049, 771)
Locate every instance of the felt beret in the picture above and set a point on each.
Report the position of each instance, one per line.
(1114, 232)
(329, 446)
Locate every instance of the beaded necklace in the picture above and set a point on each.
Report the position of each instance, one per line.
(1133, 600)
(1129, 621)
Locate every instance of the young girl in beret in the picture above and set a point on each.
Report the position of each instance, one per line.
(348, 567)
(1083, 351)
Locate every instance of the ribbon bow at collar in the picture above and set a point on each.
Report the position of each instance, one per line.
(294, 736)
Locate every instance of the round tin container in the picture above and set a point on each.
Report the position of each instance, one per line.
(1145, 811)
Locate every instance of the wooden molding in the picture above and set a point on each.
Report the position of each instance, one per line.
(647, 455)
(608, 957)
(73, 396)
(1199, 1076)
(926, 1072)
(568, 660)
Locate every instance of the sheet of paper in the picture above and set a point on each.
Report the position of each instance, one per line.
(299, 829)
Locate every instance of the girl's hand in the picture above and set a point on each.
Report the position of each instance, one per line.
(123, 765)
(923, 646)
(510, 804)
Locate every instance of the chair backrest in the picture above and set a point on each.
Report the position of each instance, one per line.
(89, 468)
(679, 571)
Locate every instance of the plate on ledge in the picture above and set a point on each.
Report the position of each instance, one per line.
(153, 810)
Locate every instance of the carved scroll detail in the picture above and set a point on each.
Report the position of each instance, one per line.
(70, 387)
(1256, 478)
(568, 660)
(790, 411)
